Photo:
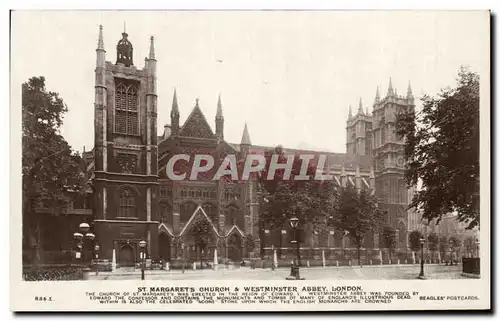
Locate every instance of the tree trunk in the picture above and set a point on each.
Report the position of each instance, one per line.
(359, 255)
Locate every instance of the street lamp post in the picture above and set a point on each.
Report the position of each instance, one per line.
(183, 257)
(81, 239)
(295, 268)
(142, 246)
(96, 255)
(477, 248)
(422, 241)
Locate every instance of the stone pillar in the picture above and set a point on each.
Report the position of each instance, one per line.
(176, 218)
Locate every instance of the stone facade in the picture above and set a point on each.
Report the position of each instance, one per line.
(134, 200)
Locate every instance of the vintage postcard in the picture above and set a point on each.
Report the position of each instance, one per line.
(250, 160)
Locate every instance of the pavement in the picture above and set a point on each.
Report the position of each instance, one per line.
(384, 272)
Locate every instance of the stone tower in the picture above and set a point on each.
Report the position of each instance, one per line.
(125, 153)
(388, 159)
(359, 132)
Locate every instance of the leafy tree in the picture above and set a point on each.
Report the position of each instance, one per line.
(357, 213)
(432, 242)
(455, 243)
(442, 151)
(282, 198)
(414, 238)
(202, 233)
(249, 243)
(443, 244)
(470, 244)
(49, 167)
(389, 238)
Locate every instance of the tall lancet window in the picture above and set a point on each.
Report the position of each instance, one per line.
(127, 204)
(126, 115)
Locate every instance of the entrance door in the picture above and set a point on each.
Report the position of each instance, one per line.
(164, 244)
(234, 248)
(126, 255)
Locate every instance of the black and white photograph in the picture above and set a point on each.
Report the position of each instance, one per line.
(300, 152)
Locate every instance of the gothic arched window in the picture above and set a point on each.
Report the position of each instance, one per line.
(127, 204)
(211, 210)
(402, 192)
(165, 214)
(382, 131)
(187, 210)
(235, 216)
(126, 113)
(354, 143)
(402, 233)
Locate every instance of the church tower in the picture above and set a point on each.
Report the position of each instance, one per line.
(388, 158)
(125, 153)
(359, 132)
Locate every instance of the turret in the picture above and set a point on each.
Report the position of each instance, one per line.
(372, 180)
(174, 115)
(358, 177)
(409, 94)
(219, 120)
(360, 108)
(377, 97)
(151, 107)
(390, 91)
(245, 140)
(100, 103)
(124, 51)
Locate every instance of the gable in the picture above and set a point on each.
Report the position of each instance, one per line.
(199, 213)
(196, 126)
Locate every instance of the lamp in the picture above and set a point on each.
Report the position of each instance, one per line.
(142, 246)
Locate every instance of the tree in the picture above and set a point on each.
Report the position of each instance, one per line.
(455, 243)
(357, 213)
(49, 167)
(389, 237)
(414, 238)
(442, 151)
(433, 241)
(202, 232)
(443, 245)
(249, 243)
(310, 200)
(470, 245)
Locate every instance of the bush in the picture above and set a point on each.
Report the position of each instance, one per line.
(53, 274)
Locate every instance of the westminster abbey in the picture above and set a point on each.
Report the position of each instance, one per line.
(132, 199)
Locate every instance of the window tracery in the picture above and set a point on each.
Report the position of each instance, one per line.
(127, 207)
(126, 113)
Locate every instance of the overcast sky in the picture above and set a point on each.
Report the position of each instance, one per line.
(290, 75)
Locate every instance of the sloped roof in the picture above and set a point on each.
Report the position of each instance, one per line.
(196, 125)
(233, 229)
(199, 211)
(335, 160)
(163, 227)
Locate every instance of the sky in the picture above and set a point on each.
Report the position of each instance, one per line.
(290, 76)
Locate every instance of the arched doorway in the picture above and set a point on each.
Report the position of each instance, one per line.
(234, 247)
(164, 246)
(126, 255)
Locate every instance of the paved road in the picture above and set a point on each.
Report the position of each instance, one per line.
(403, 272)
